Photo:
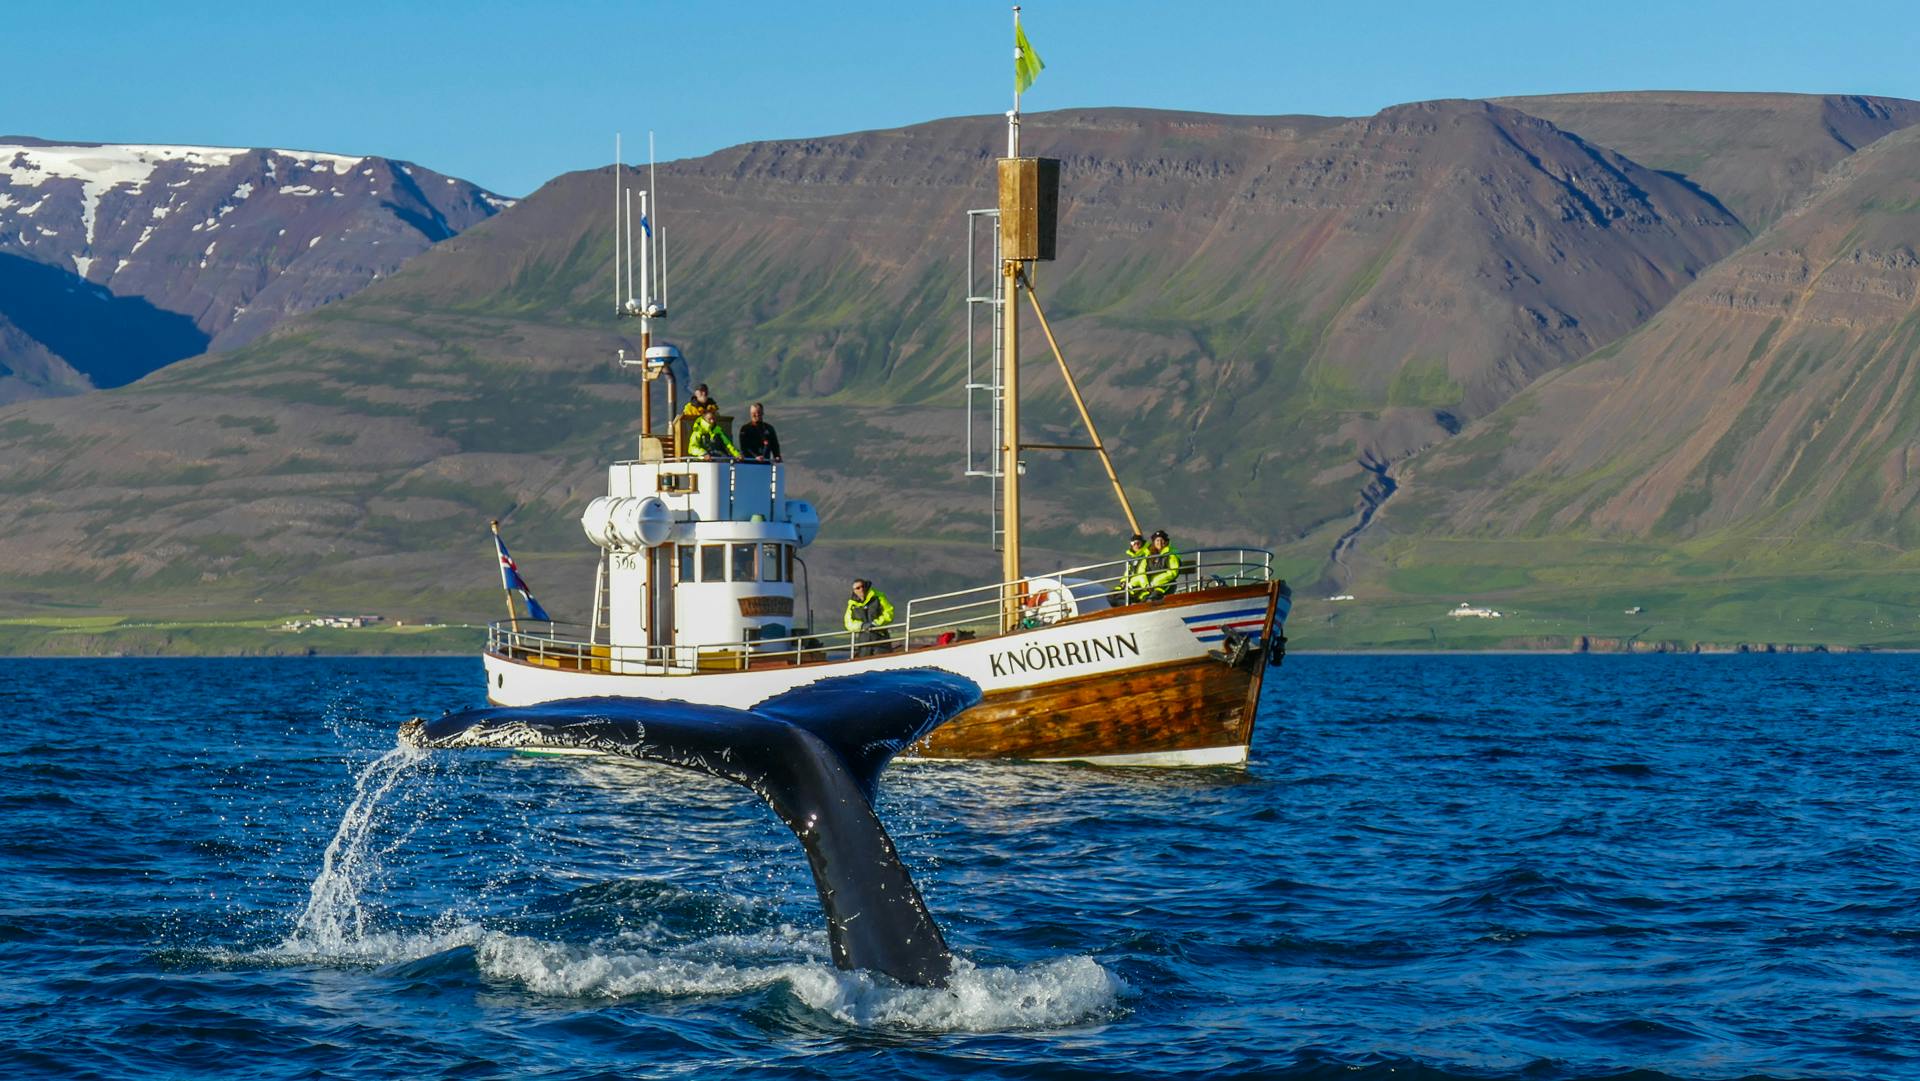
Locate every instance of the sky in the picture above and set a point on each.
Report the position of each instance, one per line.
(510, 95)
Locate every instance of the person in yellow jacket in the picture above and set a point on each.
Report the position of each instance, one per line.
(1158, 570)
(697, 404)
(709, 440)
(1129, 568)
(868, 614)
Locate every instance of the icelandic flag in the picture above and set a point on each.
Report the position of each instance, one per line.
(511, 581)
(646, 227)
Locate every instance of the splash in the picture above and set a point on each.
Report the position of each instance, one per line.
(1052, 994)
(336, 922)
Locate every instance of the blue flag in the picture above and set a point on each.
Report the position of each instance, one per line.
(645, 227)
(511, 581)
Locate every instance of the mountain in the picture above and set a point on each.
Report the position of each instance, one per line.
(1776, 394)
(1281, 323)
(118, 259)
(1752, 452)
(1760, 154)
(1263, 311)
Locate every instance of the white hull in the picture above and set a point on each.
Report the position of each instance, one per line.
(1114, 643)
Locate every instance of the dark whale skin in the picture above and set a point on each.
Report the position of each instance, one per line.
(813, 754)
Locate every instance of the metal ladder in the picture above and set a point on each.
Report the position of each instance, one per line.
(986, 397)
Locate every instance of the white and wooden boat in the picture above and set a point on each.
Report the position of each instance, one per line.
(695, 596)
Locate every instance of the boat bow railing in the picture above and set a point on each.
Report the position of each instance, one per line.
(930, 622)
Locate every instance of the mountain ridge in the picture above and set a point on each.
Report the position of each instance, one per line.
(144, 224)
(1268, 313)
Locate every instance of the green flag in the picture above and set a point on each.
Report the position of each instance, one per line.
(1026, 62)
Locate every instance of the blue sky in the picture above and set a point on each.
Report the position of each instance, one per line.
(512, 94)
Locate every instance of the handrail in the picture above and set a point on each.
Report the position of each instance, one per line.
(1206, 568)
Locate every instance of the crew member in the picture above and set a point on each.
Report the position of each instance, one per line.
(1158, 570)
(691, 413)
(697, 404)
(1130, 569)
(869, 612)
(758, 440)
(709, 440)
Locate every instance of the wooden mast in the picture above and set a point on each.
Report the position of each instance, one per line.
(1013, 231)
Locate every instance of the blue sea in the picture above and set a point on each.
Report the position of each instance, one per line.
(1527, 867)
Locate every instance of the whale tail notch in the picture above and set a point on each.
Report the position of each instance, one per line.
(814, 754)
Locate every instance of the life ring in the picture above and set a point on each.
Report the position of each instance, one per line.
(1035, 600)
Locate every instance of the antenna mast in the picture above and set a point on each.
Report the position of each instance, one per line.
(641, 303)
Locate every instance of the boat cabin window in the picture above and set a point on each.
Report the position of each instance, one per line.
(770, 562)
(686, 563)
(713, 563)
(743, 562)
(789, 561)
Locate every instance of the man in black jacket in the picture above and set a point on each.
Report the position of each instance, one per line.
(758, 440)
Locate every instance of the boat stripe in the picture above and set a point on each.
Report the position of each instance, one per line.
(1224, 615)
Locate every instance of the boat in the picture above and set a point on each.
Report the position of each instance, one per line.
(698, 576)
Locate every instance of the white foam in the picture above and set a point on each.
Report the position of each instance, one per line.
(375, 948)
(1051, 994)
(1047, 995)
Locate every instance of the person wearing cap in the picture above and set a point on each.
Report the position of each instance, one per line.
(868, 613)
(758, 440)
(697, 404)
(1130, 567)
(709, 440)
(1159, 568)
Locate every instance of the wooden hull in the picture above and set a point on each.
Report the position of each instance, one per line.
(1166, 713)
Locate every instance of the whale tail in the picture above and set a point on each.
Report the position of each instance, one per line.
(814, 754)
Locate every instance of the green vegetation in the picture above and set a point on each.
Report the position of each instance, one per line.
(1715, 592)
(124, 636)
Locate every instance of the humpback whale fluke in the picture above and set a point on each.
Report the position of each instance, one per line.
(813, 754)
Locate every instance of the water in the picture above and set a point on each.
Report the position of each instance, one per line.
(1479, 867)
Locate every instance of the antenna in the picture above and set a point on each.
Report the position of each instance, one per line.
(653, 185)
(616, 222)
(629, 248)
(662, 234)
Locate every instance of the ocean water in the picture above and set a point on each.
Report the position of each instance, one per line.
(1476, 867)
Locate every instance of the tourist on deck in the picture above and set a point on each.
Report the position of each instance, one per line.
(868, 613)
(697, 404)
(1158, 570)
(1130, 567)
(709, 440)
(758, 440)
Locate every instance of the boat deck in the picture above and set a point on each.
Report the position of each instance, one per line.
(1077, 594)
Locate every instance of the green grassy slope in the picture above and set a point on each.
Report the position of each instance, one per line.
(1260, 310)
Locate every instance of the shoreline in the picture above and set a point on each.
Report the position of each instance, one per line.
(1746, 650)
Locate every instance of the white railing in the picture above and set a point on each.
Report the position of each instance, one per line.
(929, 621)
